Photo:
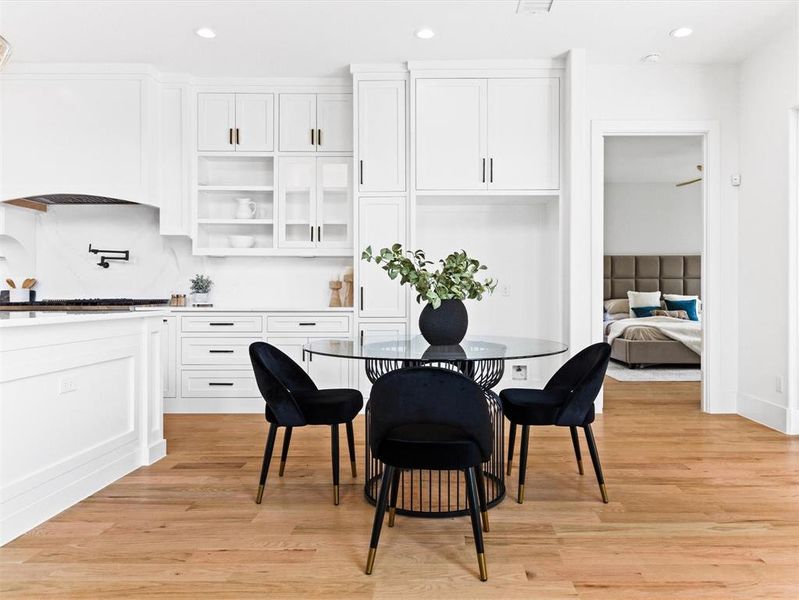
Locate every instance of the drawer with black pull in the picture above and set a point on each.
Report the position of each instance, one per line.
(307, 324)
(218, 384)
(222, 324)
(216, 350)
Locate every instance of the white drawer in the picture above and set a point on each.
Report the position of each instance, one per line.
(218, 384)
(216, 350)
(222, 324)
(307, 324)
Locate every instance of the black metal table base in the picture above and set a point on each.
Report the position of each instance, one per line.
(440, 494)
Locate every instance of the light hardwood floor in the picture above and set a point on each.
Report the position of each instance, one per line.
(701, 506)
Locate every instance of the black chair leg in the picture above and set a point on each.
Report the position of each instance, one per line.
(577, 453)
(523, 461)
(285, 453)
(472, 495)
(589, 437)
(392, 501)
(270, 446)
(334, 451)
(351, 446)
(481, 494)
(511, 444)
(380, 512)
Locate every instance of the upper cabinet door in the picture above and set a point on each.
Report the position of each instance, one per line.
(381, 136)
(216, 122)
(381, 223)
(297, 202)
(523, 134)
(334, 202)
(334, 122)
(255, 123)
(450, 134)
(297, 122)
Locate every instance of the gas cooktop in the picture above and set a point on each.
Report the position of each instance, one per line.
(84, 304)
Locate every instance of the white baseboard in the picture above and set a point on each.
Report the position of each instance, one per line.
(157, 451)
(763, 412)
(214, 405)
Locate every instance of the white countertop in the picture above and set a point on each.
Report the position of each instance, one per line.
(26, 319)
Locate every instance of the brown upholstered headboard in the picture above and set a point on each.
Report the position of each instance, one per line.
(669, 274)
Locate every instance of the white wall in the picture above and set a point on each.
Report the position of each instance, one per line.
(162, 265)
(768, 90)
(653, 218)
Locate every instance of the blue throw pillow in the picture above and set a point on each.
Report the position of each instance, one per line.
(688, 306)
(644, 311)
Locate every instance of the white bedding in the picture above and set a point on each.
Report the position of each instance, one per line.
(689, 333)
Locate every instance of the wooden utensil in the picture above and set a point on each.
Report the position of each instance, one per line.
(29, 283)
(11, 284)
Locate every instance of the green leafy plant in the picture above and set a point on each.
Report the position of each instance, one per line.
(453, 279)
(201, 284)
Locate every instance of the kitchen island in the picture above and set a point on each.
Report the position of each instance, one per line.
(81, 405)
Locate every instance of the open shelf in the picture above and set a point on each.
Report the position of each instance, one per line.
(235, 172)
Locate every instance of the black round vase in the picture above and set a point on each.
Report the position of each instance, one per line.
(445, 325)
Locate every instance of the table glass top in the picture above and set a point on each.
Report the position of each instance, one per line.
(417, 348)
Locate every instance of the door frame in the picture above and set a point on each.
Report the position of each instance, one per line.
(792, 421)
(713, 396)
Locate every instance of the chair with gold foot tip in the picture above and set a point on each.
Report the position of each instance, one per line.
(567, 400)
(293, 400)
(429, 418)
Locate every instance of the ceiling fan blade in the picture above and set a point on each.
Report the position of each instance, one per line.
(689, 182)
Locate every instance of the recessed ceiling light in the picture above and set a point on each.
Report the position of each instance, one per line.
(681, 32)
(205, 32)
(651, 58)
(425, 33)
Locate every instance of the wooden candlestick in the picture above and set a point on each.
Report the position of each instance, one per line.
(335, 293)
(348, 291)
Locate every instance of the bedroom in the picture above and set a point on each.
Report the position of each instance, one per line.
(653, 254)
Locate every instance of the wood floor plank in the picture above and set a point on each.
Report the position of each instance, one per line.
(702, 506)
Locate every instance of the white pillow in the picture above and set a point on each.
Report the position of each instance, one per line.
(679, 297)
(638, 299)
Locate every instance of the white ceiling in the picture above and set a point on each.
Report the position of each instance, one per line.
(652, 159)
(322, 37)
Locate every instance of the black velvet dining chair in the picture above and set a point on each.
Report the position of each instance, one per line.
(567, 400)
(429, 418)
(293, 400)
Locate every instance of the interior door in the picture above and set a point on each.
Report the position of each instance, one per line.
(334, 202)
(381, 136)
(381, 223)
(297, 122)
(297, 202)
(334, 122)
(523, 134)
(255, 122)
(216, 122)
(451, 134)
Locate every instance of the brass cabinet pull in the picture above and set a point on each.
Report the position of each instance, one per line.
(360, 172)
(230, 136)
(491, 170)
(312, 138)
(237, 136)
(484, 170)
(318, 137)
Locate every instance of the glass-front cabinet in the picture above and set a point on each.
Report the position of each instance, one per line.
(315, 202)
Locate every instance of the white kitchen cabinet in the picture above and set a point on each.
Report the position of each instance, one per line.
(451, 134)
(371, 331)
(381, 136)
(381, 223)
(487, 134)
(231, 122)
(169, 356)
(315, 202)
(523, 136)
(326, 371)
(315, 123)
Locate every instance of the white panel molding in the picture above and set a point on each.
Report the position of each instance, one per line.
(792, 387)
(765, 412)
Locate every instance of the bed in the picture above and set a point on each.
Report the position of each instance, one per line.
(641, 345)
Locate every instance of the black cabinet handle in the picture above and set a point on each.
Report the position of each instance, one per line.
(237, 136)
(221, 324)
(319, 137)
(360, 172)
(491, 170)
(361, 337)
(230, 136)
(361, 297)
(484, 170)
(307, 324)
(221, 351)
(311, 232)
(318, 233)
(312, 138)
(221, 383)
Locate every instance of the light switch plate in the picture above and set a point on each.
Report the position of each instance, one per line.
(520, 372)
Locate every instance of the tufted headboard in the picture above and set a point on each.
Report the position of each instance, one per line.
(669, 274)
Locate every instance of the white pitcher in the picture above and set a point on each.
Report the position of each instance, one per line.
(246, 208)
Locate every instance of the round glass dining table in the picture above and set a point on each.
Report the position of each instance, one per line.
(425, 493)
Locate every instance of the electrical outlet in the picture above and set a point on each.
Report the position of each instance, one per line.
(779, 385)
(504, 289)
(520, 372)
(66, 385)
(735, 180)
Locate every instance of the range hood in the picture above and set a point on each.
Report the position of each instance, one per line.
(42, 202)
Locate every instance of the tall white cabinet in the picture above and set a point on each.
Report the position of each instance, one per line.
(381, 136)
